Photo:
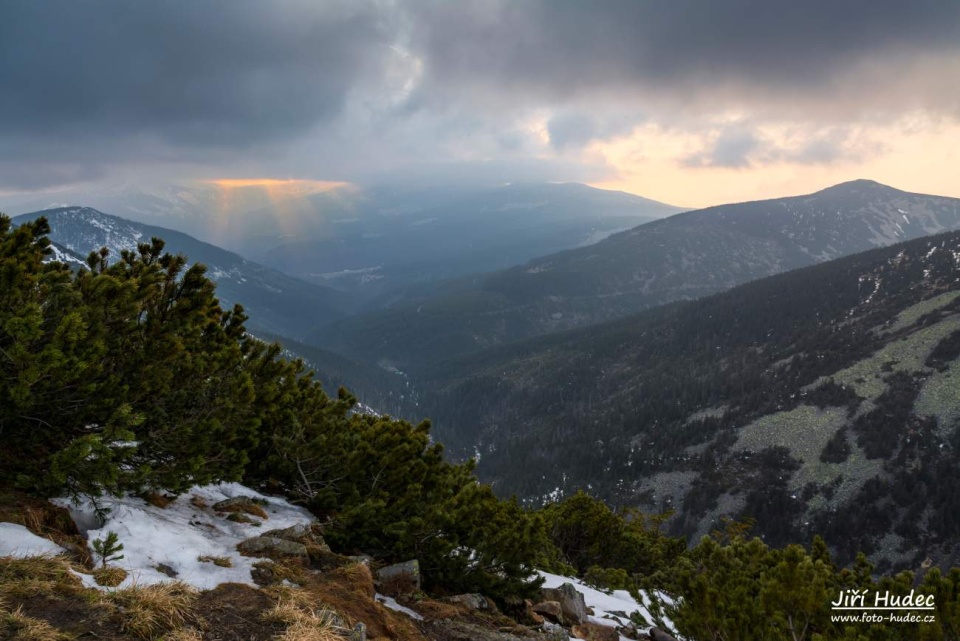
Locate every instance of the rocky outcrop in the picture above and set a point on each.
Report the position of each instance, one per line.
(572, 605)
(470, 601)
(399, 578)
(550, 609)
(241, 505)
(656, 634)
(595, 632)
(453, 630)
(301, 533)
(271, 546)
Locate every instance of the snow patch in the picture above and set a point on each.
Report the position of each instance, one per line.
(390, 602)
(609, 608)
(18, 541)
(177, 535)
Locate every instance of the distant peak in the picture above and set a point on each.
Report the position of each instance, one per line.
(855, 186)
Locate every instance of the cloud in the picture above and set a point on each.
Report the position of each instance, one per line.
(745, 145)
(732, 148)
(189, 74)
(556, 50)
(492, 89)
(577, 128)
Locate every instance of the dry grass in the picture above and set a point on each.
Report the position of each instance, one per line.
(277, 572)
(147, 611)
(46, 520)
(109, 577)
(295, 609)
(398, 585)
(158, 500)
(219, 561)
(198, 501)
(16, 626)
(36, 576)
(184, 634)
(250, 508)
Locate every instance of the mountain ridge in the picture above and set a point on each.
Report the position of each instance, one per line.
(278, 302)
(685, 256)
(805, 401)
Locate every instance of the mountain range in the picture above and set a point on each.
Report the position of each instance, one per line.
(682, 257)
(824, 400)
(275, 301)
(372, 240)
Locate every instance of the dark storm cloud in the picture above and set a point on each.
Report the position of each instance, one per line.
(192, 74)
(339, 88)
(563, 48)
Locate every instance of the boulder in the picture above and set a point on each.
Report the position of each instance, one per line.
(571, 603)
(300, 533)
(400, 578)
(529, 616)
(271, 546)
(659, 635)
(454, 630)
(595, 632)
(470, 601)
(551, 610)
(241, 504)
(359, 632)
(555, 632)
(296, 532)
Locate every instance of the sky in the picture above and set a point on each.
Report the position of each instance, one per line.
(691, 102)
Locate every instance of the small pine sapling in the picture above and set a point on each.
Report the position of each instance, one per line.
(108, 549)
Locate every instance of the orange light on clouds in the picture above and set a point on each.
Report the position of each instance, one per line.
(913, 154)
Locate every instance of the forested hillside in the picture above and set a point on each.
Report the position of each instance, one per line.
(682, 257)
(128, 378)
(824, 400)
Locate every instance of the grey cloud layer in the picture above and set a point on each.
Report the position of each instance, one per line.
(91, 83)
(194, 73)
(563, 47)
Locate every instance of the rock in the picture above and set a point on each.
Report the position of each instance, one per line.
(551, 610)
(555, 632)
(454, 630)
(659, 635)
(571, 603)
(359, 633)
(240, 504)
(629, 633)
(235, 504)
(595, 632)
(529, 616)
(300, 533)
(590, 611)
(363, 559)
(400, 578)
(470, 601)
(269, 545)
(296, 532)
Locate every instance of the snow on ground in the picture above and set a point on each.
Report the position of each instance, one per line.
(609, 609)
(18, 541)
(390, 602)
(178, 534)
